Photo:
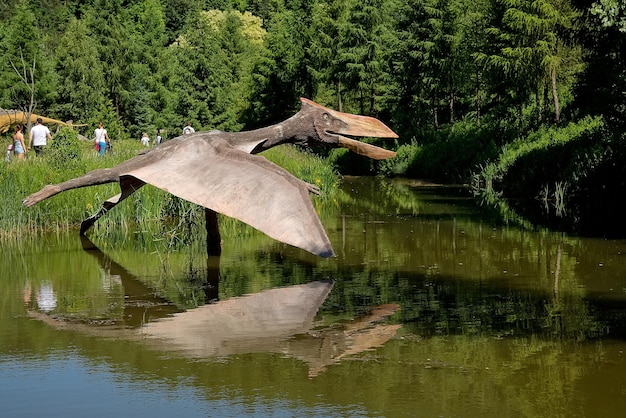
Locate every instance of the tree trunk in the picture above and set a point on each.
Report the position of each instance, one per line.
(478, 103)
(435, 113)
(555, 97)
(372, 102)
(339, 101)
(451, 105)
(28, 78)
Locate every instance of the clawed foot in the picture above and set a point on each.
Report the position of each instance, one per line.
(46, 192)
(314, 189)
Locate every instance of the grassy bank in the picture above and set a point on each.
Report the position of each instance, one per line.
(541, 179)
(149, 208)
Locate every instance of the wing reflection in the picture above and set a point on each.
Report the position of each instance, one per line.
(277, 321)
(252, 323)
(280, 320)
(140, 303)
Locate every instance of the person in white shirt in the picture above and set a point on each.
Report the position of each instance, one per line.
(101, 138)
(39, 134)
(188, 129)
(145, 140)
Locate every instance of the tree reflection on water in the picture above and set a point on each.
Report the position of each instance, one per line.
(427, 308)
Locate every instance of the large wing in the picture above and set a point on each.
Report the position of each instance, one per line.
(243, 186)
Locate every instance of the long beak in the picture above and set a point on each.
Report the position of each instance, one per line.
(356, 125)
(364, 126)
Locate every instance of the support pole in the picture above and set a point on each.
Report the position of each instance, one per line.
(213, 238)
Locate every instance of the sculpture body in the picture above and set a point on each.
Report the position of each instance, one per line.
(218, 170)
(9, 118)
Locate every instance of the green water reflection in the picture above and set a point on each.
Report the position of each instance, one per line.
(427, 311)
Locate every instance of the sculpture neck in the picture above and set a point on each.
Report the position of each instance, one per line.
(291, 131)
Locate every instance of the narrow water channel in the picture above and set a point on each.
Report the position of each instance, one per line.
(427, 310)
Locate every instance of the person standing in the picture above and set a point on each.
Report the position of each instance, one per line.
(188, 129)
(101, 138)
(39, 134)
(18, 142)
(145, 140)
(158, 139)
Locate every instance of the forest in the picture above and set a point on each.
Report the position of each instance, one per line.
(524, 101)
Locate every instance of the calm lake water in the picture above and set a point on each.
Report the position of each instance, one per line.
(427, 311)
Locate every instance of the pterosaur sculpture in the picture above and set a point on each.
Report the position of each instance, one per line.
(216, 170)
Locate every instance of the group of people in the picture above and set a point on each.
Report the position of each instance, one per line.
(39, 135)
(145, 138)
(38, 139)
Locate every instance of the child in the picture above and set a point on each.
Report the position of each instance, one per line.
(145, 140)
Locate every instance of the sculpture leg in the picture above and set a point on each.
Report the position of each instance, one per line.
(106, 206)
(213, 238)
(129, 186)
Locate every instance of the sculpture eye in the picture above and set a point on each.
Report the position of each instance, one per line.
(326, 117)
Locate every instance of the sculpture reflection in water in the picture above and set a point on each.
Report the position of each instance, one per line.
(280, 320)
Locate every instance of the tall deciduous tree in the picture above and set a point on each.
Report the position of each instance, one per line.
(24, 49)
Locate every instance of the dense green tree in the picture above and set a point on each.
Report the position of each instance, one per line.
(473, 22)
(407, 58)
(213, 78)
(529, 52)
(151, 105)
(601, 86)
(433, 66)
(26, 72)
(328, 18)
(612, 13)
(177, 14)
(112, 29)
(83, 89)
(264, 8)
(287, 74)
(440, 51)
(361, 59)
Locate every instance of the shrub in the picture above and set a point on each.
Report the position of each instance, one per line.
(65, 149)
